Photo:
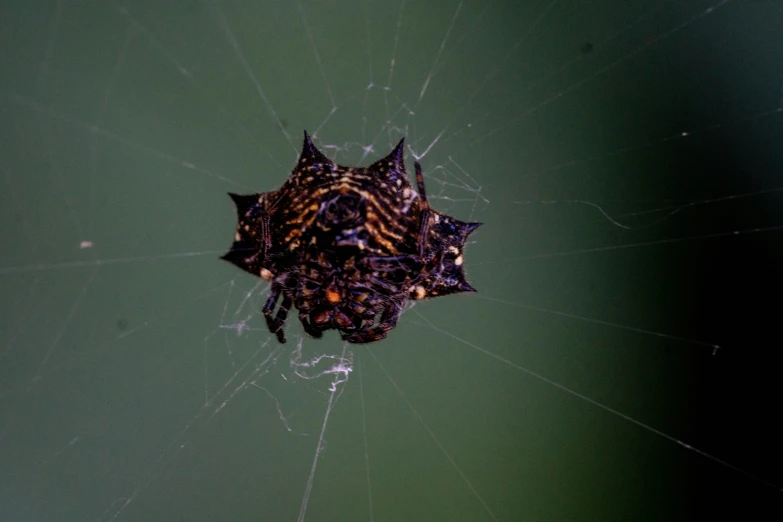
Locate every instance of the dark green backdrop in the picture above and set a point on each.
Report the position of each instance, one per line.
(625, 158)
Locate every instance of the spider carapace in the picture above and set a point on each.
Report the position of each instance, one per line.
(348, 246)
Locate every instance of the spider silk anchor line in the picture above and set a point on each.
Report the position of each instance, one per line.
(347, 245)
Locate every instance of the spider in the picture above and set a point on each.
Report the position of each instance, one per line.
(348, 246)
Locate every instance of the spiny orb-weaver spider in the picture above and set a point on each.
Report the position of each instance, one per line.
(348, 245)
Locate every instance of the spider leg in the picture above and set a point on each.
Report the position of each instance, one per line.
(424, 228)
(389, 316)
(275, 323)
(397, 269)
(282, 314)
(388, 262)
(304, 318)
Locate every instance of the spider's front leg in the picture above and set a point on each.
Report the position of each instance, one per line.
(391, 313)
(275, 323)
(304, 318)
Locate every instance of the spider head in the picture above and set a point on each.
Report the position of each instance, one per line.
(334, 312)
(328, 318)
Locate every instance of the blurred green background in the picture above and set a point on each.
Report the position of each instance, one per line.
(624, 156)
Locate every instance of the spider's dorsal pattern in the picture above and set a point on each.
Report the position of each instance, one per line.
(347, 246)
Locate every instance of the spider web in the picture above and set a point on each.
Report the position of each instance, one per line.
(618, 362)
